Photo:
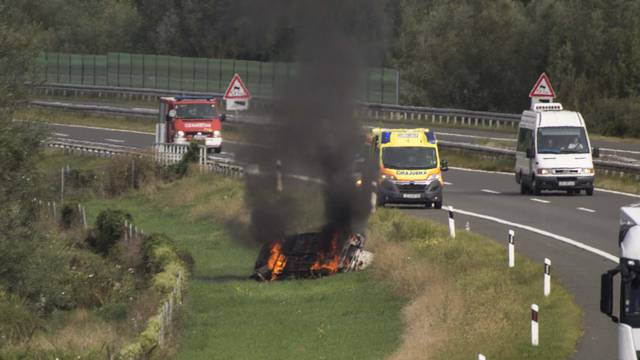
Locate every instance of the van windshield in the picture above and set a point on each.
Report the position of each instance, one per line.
(409, 158)
(562, 140)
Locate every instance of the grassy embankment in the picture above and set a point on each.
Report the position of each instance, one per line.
(420, 277)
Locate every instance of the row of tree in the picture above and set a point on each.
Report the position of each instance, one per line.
(481, 55)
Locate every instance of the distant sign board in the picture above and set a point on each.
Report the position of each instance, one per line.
(237, 95)
(542, 88)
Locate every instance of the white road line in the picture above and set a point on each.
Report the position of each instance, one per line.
(115, 140)
(60, 134)
(618, 193)
(448, 183)
(102, 128)
(481, 171)
(474, 136)
(586, 209)
(561, 238)
(491, 191)
(540, 200)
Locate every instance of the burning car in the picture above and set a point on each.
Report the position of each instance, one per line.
(311, 255)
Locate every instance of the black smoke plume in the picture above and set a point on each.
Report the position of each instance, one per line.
(314, 130)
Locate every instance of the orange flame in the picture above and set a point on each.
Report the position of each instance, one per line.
(328, 261)
(277, 261)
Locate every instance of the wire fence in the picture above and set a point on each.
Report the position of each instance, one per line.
(379, 85)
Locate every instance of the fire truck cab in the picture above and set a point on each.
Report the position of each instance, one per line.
(183, 119)
(410, 169)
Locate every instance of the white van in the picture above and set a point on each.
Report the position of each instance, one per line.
(553, 151)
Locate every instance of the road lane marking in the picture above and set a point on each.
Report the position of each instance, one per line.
(60, 134)
(586, 209)
(474, 136)
(561, 238)
(491, 191)
(100, 128)
(540, 200)
(618, 193)
(115, 140)
(480, 171)
(448, 183)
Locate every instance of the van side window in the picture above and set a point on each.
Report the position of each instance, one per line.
(524, 139)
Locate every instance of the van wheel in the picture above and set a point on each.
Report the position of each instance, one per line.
(218, 150)
(523, 188)
(437, 205)
(534, 189)
(589, 191)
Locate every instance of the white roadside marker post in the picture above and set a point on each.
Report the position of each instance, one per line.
(84, 217)
(452, 223)
(547, 277)
(126, 230)
(481, 357)
(512, 249)
(535, 340)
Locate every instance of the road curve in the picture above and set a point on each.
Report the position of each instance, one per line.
(589, 220)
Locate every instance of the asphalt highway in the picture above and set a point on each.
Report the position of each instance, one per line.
(589, 220)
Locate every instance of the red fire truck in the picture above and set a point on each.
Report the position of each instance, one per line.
(183, 119)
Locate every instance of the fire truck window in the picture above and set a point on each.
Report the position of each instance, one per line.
(196, 111)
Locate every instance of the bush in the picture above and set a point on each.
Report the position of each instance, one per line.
(157, 251)
(109, 229)
(191, 156)
(70, 216)
(187, 259)
(58, 277)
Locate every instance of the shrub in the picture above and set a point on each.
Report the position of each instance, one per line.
(187, 259)
(109, 229)
(70, 216)
(191, 156)
(157, 250)
(59, 277)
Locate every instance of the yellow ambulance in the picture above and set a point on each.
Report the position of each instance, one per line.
(410, 169)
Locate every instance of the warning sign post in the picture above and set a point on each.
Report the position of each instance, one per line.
(237, 95)
(542, 91)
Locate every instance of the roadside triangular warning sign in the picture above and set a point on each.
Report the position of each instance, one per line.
(542, 88)
(237, 90)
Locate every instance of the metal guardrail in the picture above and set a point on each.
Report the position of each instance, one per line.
(165, 154)
(172, 153)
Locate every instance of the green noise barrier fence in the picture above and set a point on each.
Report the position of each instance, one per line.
(379, 85)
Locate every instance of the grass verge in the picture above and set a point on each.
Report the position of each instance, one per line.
(463, 296)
